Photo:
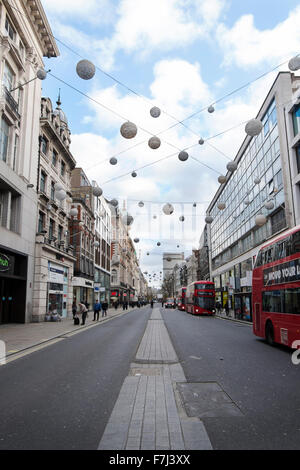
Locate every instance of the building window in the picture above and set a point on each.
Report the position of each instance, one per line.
(4, 135)
(60, 233)
(9, 29)
(54, 158)
(43, 182)
(278, 221)
(16, 146)
(52, 195)
(298, 158)
(296, 119)
(51, 229)
(44, 146)
(41, 222)
(62, 168)
(8, 77)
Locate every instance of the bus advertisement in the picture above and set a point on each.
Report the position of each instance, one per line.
(201, 298)
(276, 289)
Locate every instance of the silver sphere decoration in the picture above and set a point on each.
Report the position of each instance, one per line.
(221, 205)
(253, 127)
(246, 202)
(136, 240)
(147, 255)
(231, 166)
(128, 130)
(168, 209)
(181, 218)
(201, 141)
(133, 174)
(294, 63)
(257, 180)
(73, 212)
(154, 142)
(58, 187)
(269, 205)
(141, 204)
(60, 195)
(260, 220)
(211, 109)
(113, 161)
(114, 203)
(155, 217)
(158, 243)
(127, 219)
(209, 219)
(222, 179)
(96, 244)
(183, 156)
(41, 74)
(155, 112)
(85, 69)
(97, 191)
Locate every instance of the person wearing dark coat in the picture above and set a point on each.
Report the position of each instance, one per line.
(104, 308)
(97, 308)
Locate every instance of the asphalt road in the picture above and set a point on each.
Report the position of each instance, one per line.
(61, 397)
(260, 380)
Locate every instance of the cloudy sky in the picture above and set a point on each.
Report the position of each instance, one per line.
(179, 55)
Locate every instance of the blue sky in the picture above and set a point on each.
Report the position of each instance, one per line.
(180, 55)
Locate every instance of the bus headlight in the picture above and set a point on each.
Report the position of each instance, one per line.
(213, 310)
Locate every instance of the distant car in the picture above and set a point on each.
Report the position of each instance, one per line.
(169, 304)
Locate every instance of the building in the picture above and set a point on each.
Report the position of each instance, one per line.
(169, 261)
(82, 237)
(103, 229)
(268, 170)
(26, 38)
(203, 270)
(54, 258)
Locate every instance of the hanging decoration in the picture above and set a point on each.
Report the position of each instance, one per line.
(294, 63)
(269, 205)
(260, 220)
(168, 209)
(73, 212)
(128, 130)
(127, 219)
(60, 195)
(201, 141)
(154, 142)
(85, 69)
(211, 109)
(136, 240)
(133, 174)
(183, 156)
(97, 191)
(58, 187)
(155, 112)
(114, 203)
(155, 217)
(96, 244)
(158, 243)
(231, 166)
(195, 204)
(41, 74)
(148, 253)
(253, 127)
(222, 179)
(257, 180)
(181, 218)
(141, 204)
(221, 205)
(113, 161)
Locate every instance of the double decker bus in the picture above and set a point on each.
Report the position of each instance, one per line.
(200, 298)
(181, 299)
(276, 289)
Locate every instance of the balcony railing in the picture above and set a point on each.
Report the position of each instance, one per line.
(11, 102)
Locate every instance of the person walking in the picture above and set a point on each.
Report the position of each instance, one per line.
(124, 306)
(104, 308)
(97, 308)
(74, 309)
(83, 310)
(218, 307)
(226, 308)
(151, 303)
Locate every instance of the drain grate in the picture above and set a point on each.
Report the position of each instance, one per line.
(207, 400)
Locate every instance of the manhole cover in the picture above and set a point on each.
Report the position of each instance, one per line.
(145, 371)
(207, 400)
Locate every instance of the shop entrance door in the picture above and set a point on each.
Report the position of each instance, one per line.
(12, 300)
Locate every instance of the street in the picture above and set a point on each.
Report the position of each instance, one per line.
(62, 396)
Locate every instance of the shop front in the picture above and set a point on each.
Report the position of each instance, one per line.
(13, 282)
(57, 289)
(83, 290)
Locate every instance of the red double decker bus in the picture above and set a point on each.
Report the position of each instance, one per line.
(181, 299)
(201, 298)
(276, 289)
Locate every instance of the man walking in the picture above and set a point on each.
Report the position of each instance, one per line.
(83, 310)
(97, 308)
(104, 308)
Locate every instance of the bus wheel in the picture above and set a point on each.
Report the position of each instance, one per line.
(269, 333)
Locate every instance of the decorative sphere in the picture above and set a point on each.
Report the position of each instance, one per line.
(155, 217)
(211, 109)
(181, 218)
(183, 156)
(269, 205)
(147, 255)
(113, 161)
(127, 219)
(154, 142)
(85, 69)
(136, 240)
(96, 244)
(222, 179)
(209, 219)
(128, 130)
(114, 203)
(260, 220)
(253, 127)
(221, 205)
(257, 180)
(168, 209)
(231, 166)
(141, 204)
(61, 194)
(294, 64)
(247, 202)
(41, 74)
(155, 112)
(133, 174)
(58, 187)
(158, 243)
(201, 141)
(73, 212)
(97, 191)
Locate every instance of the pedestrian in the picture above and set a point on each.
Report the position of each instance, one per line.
(104, 308)
(218, 307)
(83, 310)
(126, 305)
(97, 308)
(226, 308)
(162, 303)
(123, 305)
(116, 304)
(74, 309)
(87, 305)
(151, 303)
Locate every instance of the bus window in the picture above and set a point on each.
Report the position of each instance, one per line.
(268, 255)
(280, 250)
(295, 243)
(258, 261)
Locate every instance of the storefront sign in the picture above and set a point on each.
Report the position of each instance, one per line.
(56, 274)
(4, 262)
(285, 272)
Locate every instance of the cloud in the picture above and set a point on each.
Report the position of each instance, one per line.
(91, 11)
(245, 45)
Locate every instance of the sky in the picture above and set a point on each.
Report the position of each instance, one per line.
(181, 56)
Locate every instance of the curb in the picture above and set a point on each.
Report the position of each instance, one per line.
(243, 322)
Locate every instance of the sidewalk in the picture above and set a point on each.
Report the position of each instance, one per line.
(231, 316)
(18, 337)
(148, 413)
